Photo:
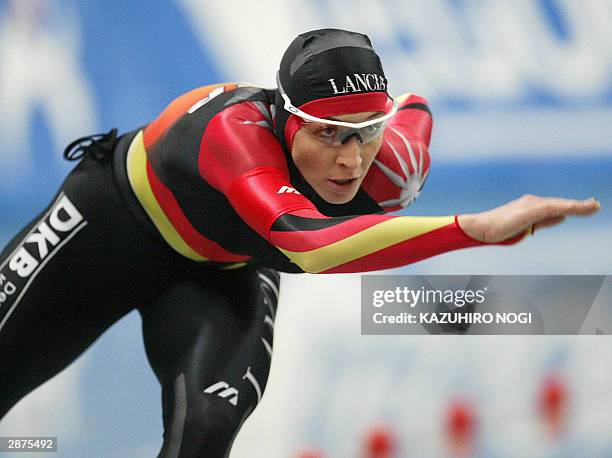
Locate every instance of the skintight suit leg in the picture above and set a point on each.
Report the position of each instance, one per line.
(85, 262)
(209, 341)
(80, 266)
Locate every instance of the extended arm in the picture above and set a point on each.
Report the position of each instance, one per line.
(257, 185)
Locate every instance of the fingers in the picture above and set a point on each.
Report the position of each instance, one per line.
(553, 207)
(579, 207)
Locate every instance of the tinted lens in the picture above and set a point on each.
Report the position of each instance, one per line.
(338, 135)
(365, 134)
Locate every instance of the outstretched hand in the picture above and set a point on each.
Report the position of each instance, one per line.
(525, 213)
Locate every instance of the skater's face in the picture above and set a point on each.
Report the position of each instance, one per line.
(334, 169)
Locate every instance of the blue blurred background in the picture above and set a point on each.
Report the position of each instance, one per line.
(522, 99)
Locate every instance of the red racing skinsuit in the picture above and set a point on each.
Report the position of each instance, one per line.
(210, 181)
(217, 185)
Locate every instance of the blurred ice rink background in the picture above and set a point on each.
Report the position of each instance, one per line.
(521, 93)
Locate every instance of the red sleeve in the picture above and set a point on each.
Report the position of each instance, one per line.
(240, 156)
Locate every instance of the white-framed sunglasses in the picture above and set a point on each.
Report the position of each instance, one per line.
(365, 131)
